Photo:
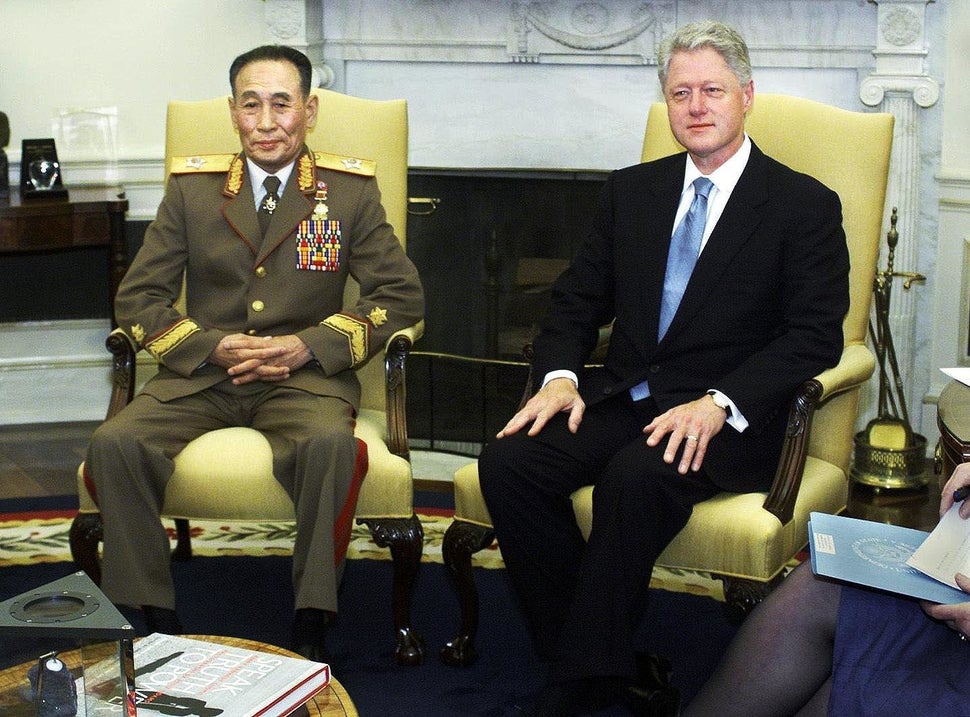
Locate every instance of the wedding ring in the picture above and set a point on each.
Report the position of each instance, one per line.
(692, 438)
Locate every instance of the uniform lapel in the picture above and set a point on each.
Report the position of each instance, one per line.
(294, 207)
(239, 211)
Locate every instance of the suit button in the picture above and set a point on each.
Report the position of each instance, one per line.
(607, 391)
(258, 305)
(260, 271)
(654, 368)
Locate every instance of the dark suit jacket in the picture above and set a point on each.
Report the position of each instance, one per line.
(762, 313)
(237, 281)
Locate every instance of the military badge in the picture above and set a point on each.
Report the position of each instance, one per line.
(378, 316)
(234, 178)
(321, 210)
(318, 245)
(305, 173)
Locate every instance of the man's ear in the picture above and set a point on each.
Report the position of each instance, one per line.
(312, 107)
(232, 113)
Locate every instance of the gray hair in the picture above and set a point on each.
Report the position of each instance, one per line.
(726, 41)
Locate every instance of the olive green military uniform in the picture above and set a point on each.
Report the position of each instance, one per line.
(329, 224)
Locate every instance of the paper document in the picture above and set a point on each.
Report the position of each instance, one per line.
(961, 374)
(946, 551)
(876, 555)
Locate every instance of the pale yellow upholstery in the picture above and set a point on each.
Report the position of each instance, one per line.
(747, 539)
(227, 474)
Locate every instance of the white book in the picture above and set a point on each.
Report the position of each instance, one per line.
(198, 677)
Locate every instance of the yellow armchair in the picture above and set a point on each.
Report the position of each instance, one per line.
(746, 540)
(227, 474)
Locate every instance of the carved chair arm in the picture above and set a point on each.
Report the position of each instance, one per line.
(123, 352)
(395, 354)
(123, 366)
(854, 368)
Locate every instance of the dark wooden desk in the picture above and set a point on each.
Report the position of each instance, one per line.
(953, 420)
(87, 217)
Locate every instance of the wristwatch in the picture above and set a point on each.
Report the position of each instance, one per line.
(720, 401)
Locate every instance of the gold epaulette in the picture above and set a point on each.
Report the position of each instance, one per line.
(354, 165)
(198, 163)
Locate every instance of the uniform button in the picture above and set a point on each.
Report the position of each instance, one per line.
(260, 271)
(258, 305)
(251, 332)
(654, 368)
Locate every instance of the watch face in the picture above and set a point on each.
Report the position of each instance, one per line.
(720, 402)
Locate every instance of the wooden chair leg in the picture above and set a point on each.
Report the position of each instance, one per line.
(87, 532)
(742, 596)
(85, 537)
(405, 536)
(183, 541)
(460, 542)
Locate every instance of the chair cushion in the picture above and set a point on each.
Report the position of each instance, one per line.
(469, 503)
(387, 491)
(729, 534)
(228, 475)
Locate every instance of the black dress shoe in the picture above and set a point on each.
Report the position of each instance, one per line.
(161, 619)
(309, 634)
(662, 702)
(652, 695)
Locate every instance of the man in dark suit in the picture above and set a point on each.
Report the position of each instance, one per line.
(702, 364)
(264, 341)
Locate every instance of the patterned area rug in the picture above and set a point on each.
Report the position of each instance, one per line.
(43, 537)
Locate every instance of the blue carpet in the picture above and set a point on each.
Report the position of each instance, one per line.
(252, 598)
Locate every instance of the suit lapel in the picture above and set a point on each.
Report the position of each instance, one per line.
(737, 223)
(659, 208)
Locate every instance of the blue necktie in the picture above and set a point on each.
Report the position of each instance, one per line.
(685, 246)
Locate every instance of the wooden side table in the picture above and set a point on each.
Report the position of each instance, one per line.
(953, 420)
(87, 217)
(331, 701)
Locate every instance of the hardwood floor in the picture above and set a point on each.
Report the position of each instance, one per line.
(42, 460)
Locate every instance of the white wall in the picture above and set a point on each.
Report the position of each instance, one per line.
(131, 54)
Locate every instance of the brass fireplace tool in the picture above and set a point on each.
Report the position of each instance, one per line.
(888, 454)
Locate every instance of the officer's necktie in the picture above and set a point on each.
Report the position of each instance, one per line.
(685, 246)
(270, 201)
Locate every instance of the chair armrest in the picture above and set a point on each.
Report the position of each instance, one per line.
(123, 352)
(854, 368)
(395, 354)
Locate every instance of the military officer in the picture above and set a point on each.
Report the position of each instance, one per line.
(265, 241)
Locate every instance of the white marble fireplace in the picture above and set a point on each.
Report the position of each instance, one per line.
(544, 86)
(564, 84)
